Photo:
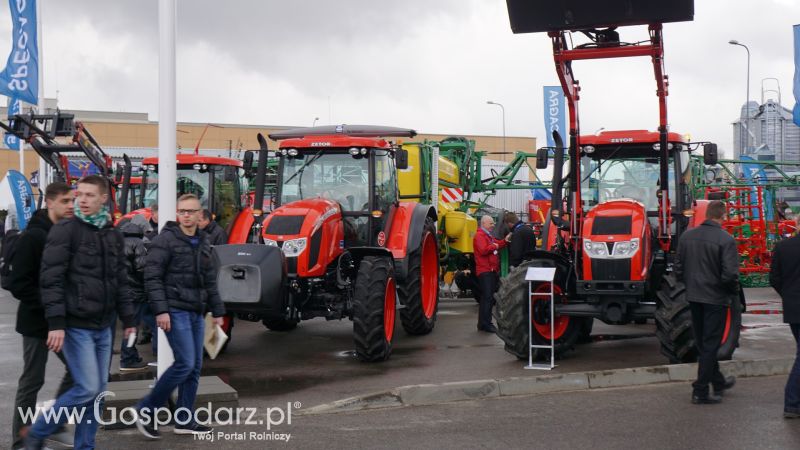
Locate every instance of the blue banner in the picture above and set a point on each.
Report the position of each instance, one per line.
(20, 79)
(797, 75)
(14, 107)
(23, 197)
(555, 113)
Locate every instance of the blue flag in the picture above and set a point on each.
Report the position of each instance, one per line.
(20, 79)
(555, 113)
(23, 197)
(797, 75)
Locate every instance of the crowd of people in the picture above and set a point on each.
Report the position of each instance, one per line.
(65, 272)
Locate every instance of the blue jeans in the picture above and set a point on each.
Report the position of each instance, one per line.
(791, 402)
(88, 353)
(186, 339)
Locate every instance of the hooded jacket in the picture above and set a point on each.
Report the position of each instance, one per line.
(180, 276)
(134, 231)
(24, 281)
(216, 235)
(82, 281)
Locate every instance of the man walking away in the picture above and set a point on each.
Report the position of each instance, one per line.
(82, 285)
(216, 235)
(523, 239)
(784, 276)
(487, 267)
(135, 258)
(181, 284)
(707, 262)
(31, 324)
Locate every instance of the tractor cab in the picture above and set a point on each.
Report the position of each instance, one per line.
(219, 183)
(357, 175)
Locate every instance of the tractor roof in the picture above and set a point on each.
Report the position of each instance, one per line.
(198, 159)
(340, 136)
(628, 137)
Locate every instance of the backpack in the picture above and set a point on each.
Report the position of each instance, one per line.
(9, 247)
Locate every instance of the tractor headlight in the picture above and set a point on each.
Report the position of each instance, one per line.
(271, 242)
(595, 249)
(294, 247)
(625, 249)
(292, 152)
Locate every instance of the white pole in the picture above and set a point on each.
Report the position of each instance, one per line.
(167, 140)
(44, 179)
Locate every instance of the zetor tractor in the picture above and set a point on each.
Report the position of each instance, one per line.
(339, 243)
(614, 240)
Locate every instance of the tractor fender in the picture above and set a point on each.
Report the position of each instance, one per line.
(240, 228)
(358, 253)
(408, 221)
(564, 269)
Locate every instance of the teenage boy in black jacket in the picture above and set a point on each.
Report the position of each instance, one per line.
(181, 285)
(31, 324)
(83, 283)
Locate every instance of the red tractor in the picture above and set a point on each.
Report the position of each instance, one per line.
(626, 201)
(339, 243)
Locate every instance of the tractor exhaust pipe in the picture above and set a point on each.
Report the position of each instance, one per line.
(558, 174)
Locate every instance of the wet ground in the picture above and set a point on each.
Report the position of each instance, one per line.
(314, 363)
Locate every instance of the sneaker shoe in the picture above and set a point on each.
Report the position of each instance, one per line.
(709, 399)
(64, 437)
(729, 383)
(791, 415)
(32, 443)
(192, 428)
(147, 429)
(134, 366)
(488, 328)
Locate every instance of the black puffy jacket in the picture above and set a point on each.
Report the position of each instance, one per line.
(179, 276)
(135, 257)
(83, 280)
(24, 279)
(523, 241)
(708, 263)
(216, 235)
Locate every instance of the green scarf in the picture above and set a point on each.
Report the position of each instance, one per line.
(99, 220)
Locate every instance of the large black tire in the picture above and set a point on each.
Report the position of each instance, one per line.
(374, 309)
(674, 324)
(418, 314)
(511, 315)
(279, 324)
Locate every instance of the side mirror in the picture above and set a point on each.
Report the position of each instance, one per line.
(401, 158)
(247, 162)
(541, 158)
(710, 156)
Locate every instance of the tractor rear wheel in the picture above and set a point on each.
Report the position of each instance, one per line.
(511, 315)
(279, 324)
(374, 308)
(674, 324)
(419, 293)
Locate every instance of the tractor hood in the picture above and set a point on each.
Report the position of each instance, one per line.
(616, 242)
(300, 218)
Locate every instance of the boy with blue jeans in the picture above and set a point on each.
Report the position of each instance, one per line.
(181, 284)
(81, 288)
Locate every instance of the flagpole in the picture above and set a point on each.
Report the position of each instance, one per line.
(43, 176)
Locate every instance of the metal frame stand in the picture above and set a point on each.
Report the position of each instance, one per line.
(539, 275)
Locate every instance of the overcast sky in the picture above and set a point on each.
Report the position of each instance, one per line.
(425, 64)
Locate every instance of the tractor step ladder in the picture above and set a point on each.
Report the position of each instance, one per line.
(541, 275)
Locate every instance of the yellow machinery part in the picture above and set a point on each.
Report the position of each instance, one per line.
(460, 229)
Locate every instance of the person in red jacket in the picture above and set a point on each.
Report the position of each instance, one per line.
(487, 267)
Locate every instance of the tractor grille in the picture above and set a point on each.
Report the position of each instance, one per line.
(611, 269)
(291, 265)
(316, 242)
(604, 226)
(281, 225)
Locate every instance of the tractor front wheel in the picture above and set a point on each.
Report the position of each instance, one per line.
(374, 308)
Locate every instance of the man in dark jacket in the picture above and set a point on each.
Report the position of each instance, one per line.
(81, 287)
(135, 256)
(216, 235)
(708, 263)
(784, 276)
(523, 239)
(181, 285)
(31, 324)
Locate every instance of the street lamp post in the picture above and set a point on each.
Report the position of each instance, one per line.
(489, 102)
(315, 121)
(746, 127)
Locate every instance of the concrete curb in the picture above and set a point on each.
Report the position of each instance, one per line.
(430, 394)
